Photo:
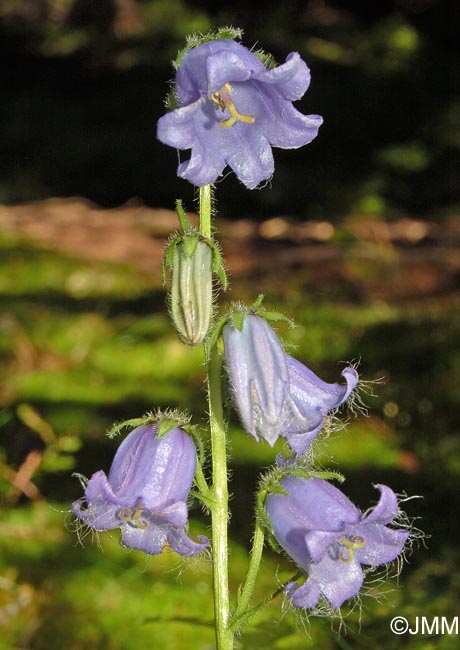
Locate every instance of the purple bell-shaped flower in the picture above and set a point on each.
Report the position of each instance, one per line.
(275, 394)
(330, 539)
(232, 110)
(145, 492)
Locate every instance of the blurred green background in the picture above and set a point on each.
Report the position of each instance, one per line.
(357, 240)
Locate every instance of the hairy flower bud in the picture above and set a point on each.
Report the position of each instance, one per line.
(191, 293)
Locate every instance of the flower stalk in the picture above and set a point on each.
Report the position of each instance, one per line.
(219, 488)
(219, 502)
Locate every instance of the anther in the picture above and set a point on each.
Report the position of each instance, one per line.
(223, 101)
(352, 545)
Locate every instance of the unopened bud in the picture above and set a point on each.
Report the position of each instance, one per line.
(191, 291)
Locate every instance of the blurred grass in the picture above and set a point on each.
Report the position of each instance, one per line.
(75, 361)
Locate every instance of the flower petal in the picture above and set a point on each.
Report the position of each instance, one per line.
(385, 510)
(225, 69)
(291, 129)
(382, 544)
(290, 80)
(311, 506)
(313, 396)
(337, 580)
(318, 541)
(257, 371)
(177, 128)
(300, 443)
(250, 155)
(100, 506)
(182, 544)
(150, 540)
(305, 596)
(192, 75)
(207, 161)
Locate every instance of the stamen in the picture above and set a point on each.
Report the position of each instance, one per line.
(223, 101)
(353, 544)
(132, 517)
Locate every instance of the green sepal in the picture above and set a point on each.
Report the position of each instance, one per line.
(217, 263)
(166, 421)
(194, 432)
(190, 243)
(183, 219)
(216, 333)
(257, 304)
(230, 33)
(171, 99)
(267, 59)
(165, 425)
(133, 423)
(168, 257)
(274, 316)
(238, 320)
(263, 517)
(328, 475)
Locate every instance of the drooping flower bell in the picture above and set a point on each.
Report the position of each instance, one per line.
(232, 110)
(330, 539)
(145, 492)
(275, 394)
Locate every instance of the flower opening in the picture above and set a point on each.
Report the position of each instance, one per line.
(223, 79)
(330, 539)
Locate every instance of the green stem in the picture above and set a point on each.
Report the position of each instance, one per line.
(251, 576)
(205, 210)
(219, 504)
(243, 619)
(219, 489)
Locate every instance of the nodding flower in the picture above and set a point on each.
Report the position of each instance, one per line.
(275, 394)
(232, 110)
(145, 492)
(330, 538)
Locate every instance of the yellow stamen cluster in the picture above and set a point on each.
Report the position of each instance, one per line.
(133, 516)
(352, 545)
(225, 102)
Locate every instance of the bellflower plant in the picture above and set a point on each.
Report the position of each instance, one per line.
(231, 110)
(145, 492)
(231, 106)
(275, 394)
(330, 539)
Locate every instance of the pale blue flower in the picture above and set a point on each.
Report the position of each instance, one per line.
(145, 492)
(232, 110)
(330, 539)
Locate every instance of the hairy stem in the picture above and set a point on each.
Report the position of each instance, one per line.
(205, 210)
(251, 576)
(219, 503)
(219, 489)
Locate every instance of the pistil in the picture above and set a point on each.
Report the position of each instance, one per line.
(223, 100)
(352, 545)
